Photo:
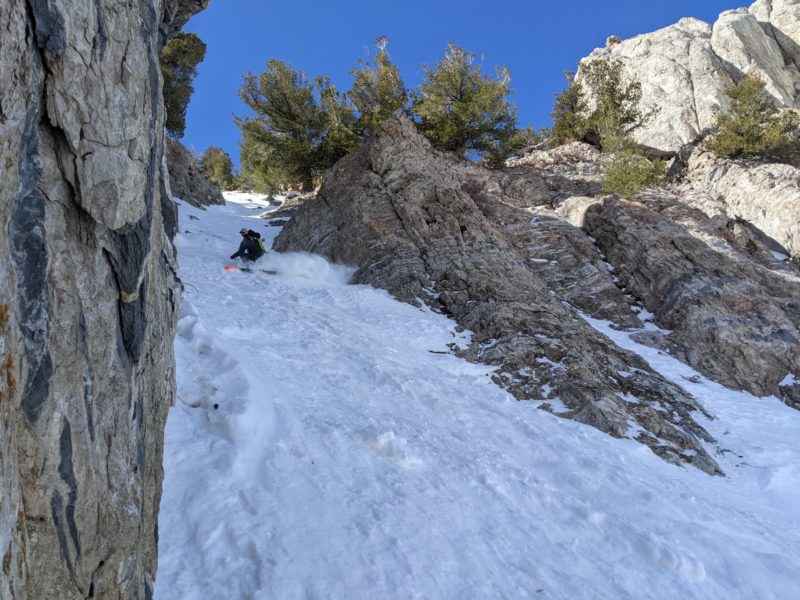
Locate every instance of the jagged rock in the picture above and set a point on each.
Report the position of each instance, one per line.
(685, 68)
(545, 176)
(427, 226)
(88, 295)
(734, 320)
(781, 20)
(290, 205)
(186, 181)
(767, 195)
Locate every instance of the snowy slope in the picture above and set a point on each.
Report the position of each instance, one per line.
(323, 446)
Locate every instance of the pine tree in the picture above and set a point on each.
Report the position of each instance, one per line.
(298, 130)
(179, 60)
(599, 106)
(602, 107)
(616, 111)
(460, 109)
(626, 170)
(378, 92)
(570, 113)
(753, 125)
(217, 167)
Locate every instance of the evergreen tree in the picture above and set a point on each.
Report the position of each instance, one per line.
(179, 60)
(602, 108)
(298, 130)
(459, 109)
(616, 111)
(570, 113)
(378, 92)
(255, 168)
(753, 125)
(599, 107)
(626, 170)
(217, 167)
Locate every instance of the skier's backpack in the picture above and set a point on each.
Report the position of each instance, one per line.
(257, 236)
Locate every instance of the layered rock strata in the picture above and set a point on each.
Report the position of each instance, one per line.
(426, 226)
(88, 295)
(730, 318)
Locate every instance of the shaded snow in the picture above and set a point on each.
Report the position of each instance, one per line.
(347, 459)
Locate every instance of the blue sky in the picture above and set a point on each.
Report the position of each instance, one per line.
(537, 39)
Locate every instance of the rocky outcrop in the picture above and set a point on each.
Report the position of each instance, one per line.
(88, 295)
(685, 68)
(186, 181)
(730, 318)
(427, 226)
(764, 194)
(516, 260)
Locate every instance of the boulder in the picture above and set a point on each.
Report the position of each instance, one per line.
(88, 295)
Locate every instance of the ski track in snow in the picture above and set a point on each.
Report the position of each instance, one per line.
(345, 460)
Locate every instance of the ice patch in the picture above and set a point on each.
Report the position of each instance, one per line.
(779, 255)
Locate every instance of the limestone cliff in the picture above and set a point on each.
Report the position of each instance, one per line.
(88, 294)
(685, 68)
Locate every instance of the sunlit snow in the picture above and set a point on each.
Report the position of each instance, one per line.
(323, 446)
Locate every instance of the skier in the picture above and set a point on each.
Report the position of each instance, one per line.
(252, 246)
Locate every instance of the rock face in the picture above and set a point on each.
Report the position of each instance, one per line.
(730, 318)
(516, 259)
(88, 295)
(766, 195)
(685, 68)
(424, 225)
(186, 181)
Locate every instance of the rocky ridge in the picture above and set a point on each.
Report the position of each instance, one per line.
(517, 259)
(685, 68)
(88, 295)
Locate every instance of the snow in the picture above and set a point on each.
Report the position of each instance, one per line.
(323, 447)
(779, 255)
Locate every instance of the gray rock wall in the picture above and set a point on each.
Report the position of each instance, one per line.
(88, 295)
(685, 68)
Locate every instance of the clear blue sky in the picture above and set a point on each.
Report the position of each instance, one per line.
(537, 39)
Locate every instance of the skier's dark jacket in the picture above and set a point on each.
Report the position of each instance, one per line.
(250, 248)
